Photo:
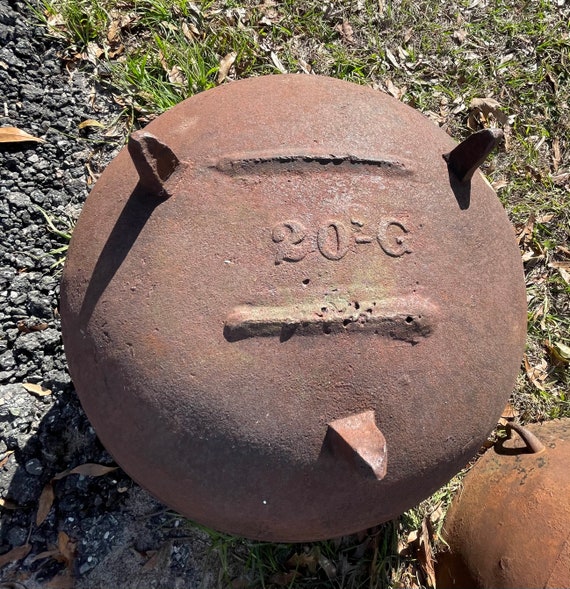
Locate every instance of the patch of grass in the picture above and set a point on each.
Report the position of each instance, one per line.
(62, 228)
(435, 57)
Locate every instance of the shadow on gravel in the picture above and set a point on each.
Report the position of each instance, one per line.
(100, 531)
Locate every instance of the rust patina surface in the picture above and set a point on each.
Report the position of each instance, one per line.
(510, 526)
(286, 314)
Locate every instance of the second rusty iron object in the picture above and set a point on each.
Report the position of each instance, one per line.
(286, 314)
(510, 525)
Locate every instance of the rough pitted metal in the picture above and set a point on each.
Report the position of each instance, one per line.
(285, 315)
(510, 525)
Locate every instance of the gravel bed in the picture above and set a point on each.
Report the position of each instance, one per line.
(101, 531)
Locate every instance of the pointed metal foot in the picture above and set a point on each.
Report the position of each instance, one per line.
(466, 158)
(155, 162)
(358, 441)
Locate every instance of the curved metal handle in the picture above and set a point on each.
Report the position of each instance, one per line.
(532, 442)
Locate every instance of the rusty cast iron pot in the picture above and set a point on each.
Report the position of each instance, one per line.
(510, 526)
(286, 314)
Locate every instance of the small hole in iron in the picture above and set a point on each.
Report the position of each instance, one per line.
(306, 281)
(409, 319)
(347, 322)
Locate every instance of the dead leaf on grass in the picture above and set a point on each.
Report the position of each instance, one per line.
(394, 90)
(93, 53)
(346, 31)
(225, 65)
(460, 36)
(305, 66)
(175, 74)
(56, 21)
(308, 560)
(15, 554)
(36, 389)
(524, 232)
(277, 62)
(190, 31)
(563, 269)
(487, 107)
(561, 179)
(15, 135)
(283, 579)
(328, 566)
(45, 503)
(391, 58)
(88, 469)
(499, 184)
(536, 374)
(558, 352)
(556, 154)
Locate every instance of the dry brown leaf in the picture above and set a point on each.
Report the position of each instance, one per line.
(176, 76)
(56, 21)
(509, 412)
(499, 184)
(460, 36)
(277, 62)
(304, 560)
(225, 65)
(558, 352)
(425, 553)
(489, 106)
(524, 232)
(391, 58)
(44, 503)
(190, 31)
(394, 90)
(93, 52)
(15, 554)
(560, 179)
(7, 504)
(52, 553)
(90, 123)
(36, 389)
(305, 66)
(88, 469)
(6, 458)
(27, 327)
(328, 566)
(153, 561)
(536, 374)
(556, 154)
(67, 548)
(563, 269)
(113, 31)
(346, 31)
(283, 579)
(62, 581)
(15, 135)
